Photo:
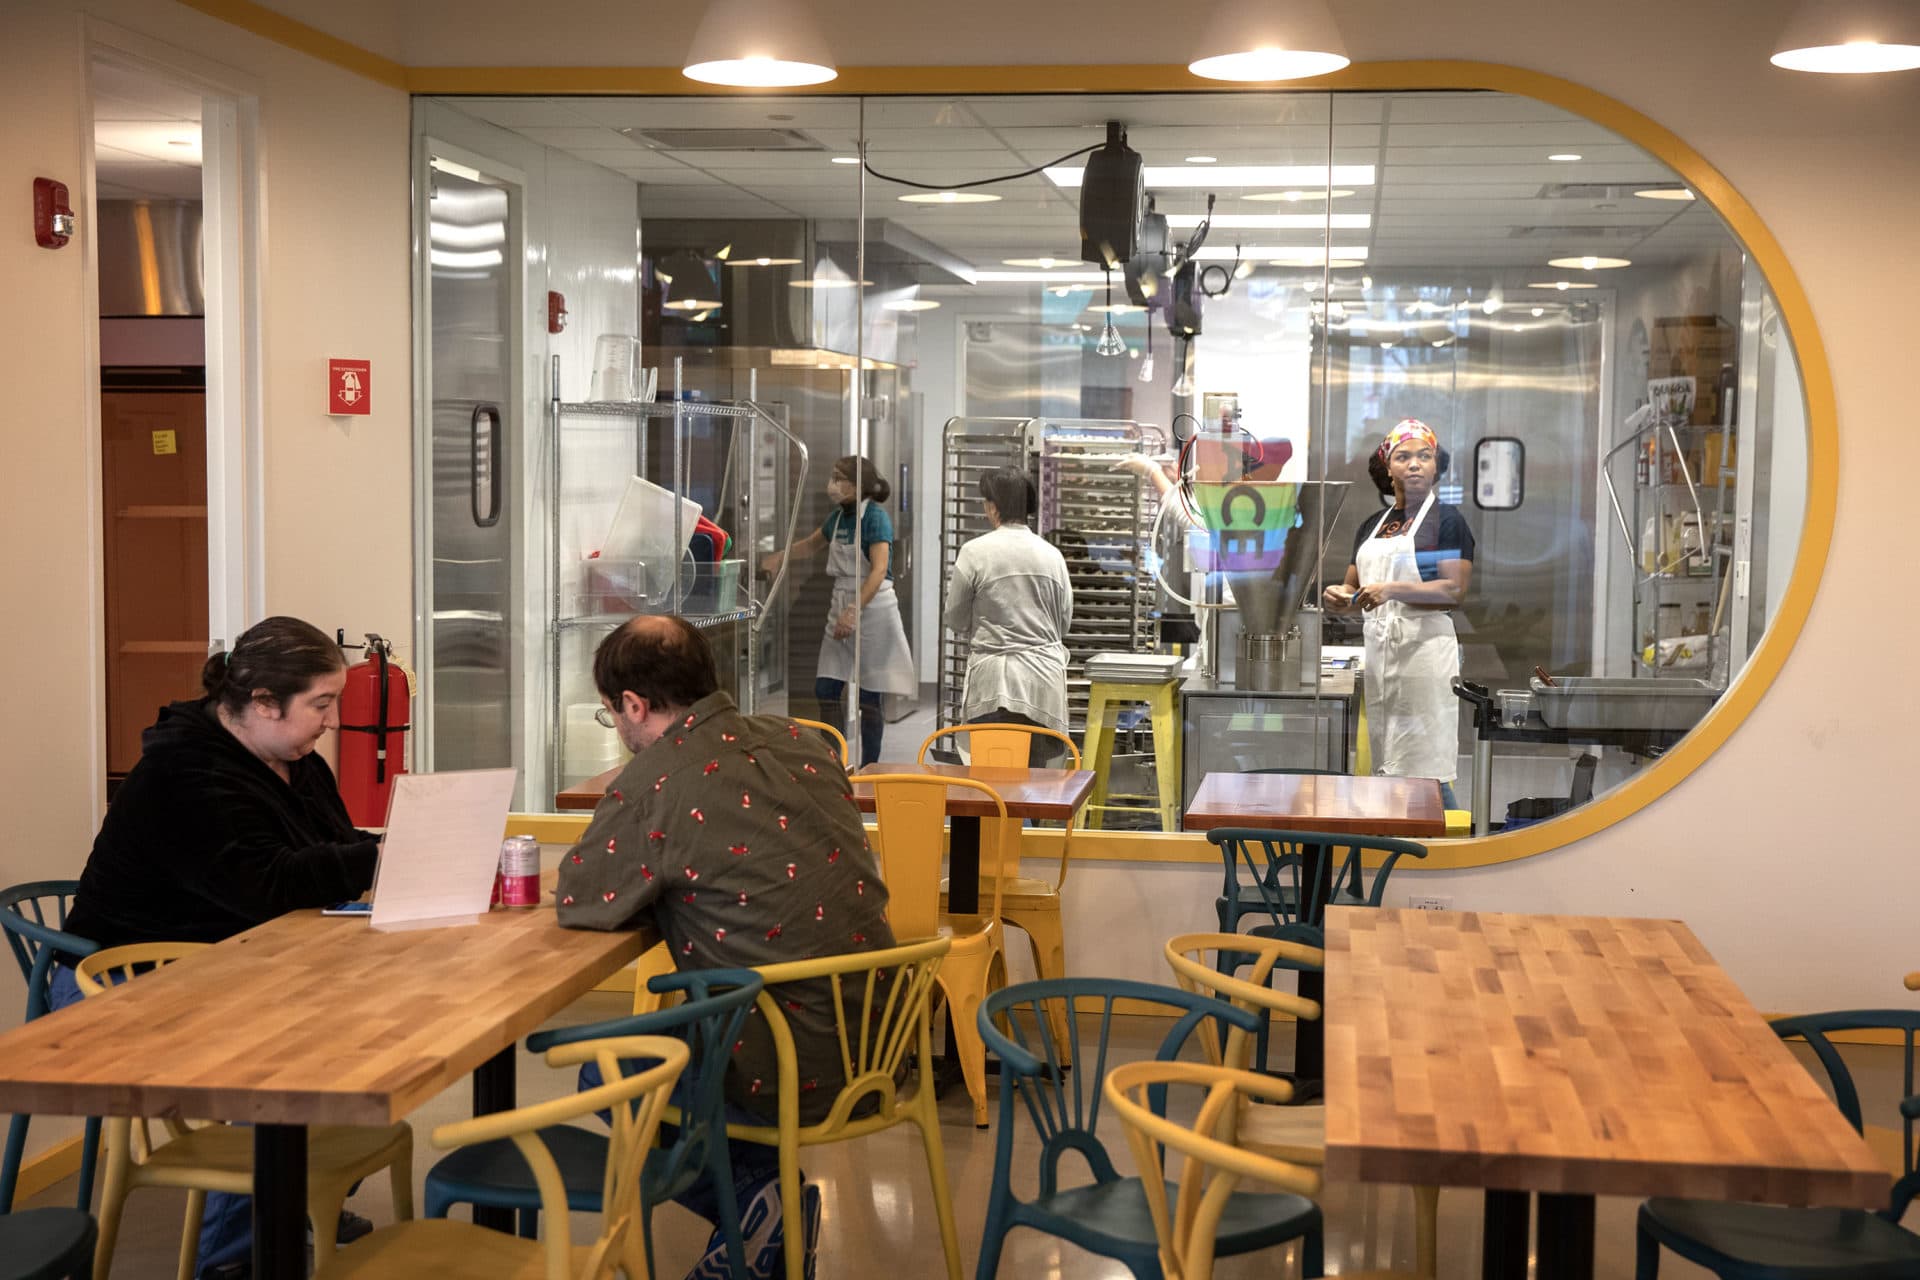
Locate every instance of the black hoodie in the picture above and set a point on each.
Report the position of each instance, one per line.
(204, 840)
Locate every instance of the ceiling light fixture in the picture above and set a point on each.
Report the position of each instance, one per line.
(1664, 193)
(766, 262)
(1166, 177)
(846, 160)
(1850, 37)
(949, 197)
(1563, 285)
(1589, 263)
(690, 304)
(758, 44)
(1045, 264)
(909, 304)
(1259, 40)
(1203, 159)
(1565, 157)
(1538, 312)
(1298, 197)
(825, 282)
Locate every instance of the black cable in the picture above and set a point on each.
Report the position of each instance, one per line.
(980, 182)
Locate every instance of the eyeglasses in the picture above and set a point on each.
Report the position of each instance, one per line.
(604, 718)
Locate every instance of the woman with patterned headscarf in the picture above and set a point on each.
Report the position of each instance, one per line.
(1411, 567)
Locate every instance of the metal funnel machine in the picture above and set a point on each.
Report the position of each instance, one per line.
(1265, 542)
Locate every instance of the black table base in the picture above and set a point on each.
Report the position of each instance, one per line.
(494, 1089)
(1565, 1246)
(279, 1202)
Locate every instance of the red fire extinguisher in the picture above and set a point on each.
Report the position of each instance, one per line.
(373, 725)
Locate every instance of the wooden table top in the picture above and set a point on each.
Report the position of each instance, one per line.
(1027, 793)
(586, 795)
(308, 1020)
(1572, 1054)
(1339, 803)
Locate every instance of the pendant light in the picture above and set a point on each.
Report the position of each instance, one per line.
(1268, 40)
(1850, 37)
(759, 44)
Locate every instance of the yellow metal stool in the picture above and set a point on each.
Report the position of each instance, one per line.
(1104, 700)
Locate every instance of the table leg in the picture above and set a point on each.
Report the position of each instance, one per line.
(280, 1201)
(1310, 1039)
(1566, 1238)
(1482, 784)
(963, 867)
(494, 1090)
(1503, 1244)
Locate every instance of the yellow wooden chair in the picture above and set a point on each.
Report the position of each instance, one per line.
(893, 1019)
(1213, 1167)
(219, 1157)
(452, 1250)
(912, 809)
(1194, 958)
(653, 962)
(1027, 903)
(839, 738)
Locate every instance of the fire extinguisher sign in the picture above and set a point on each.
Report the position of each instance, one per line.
(349, 387)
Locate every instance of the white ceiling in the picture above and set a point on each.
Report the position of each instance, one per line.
(1461, 176)
(139, 126)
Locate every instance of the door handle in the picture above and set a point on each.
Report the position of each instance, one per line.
(484, 451)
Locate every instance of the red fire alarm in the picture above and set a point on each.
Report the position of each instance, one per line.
(349, 387)
(52, 215)
(556, 311)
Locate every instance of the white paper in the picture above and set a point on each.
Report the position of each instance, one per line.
(442, 848)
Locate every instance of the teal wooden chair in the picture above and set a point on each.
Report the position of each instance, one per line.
(34, 916)
(1109, 1215)
(494, 1174)
(1770, 1242)
(47, 1244)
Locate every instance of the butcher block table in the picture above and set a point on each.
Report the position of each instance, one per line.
(1566, 1057)
(1338, 803)
(310, 1020)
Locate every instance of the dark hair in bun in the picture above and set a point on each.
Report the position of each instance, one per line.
(280, 655)
(866, 481)
(1383, 479)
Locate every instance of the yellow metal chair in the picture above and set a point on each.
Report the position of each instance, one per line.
(839, 738)
(1213, 1167)
(896, 989)
(1104, 700)
(443, 1247)
(912, 809)
(219, 1157)
(1028, 903)
(1194, 958)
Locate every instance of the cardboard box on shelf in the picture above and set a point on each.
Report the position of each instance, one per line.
(1695, 347)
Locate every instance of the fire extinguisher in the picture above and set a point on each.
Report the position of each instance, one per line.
(374, 719)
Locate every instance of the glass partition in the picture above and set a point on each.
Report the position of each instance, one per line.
(1595, 438)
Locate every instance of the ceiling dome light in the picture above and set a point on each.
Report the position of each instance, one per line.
(1589, 263)
(949, 197)
(1850, 37)
(759, 44)
(1262, 40)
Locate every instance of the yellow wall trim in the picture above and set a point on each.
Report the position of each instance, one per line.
(282, 30)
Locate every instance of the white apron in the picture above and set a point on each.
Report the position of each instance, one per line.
(1413, 655)
(886, 666)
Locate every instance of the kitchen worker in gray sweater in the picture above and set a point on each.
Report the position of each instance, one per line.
(1010, 601)
(737, 839)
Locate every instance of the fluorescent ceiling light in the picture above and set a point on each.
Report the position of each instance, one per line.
(1298, 197)
(1045, 264)
(1589, 263)
(846, 160)
(1260, 40)
(827, 283)
(1040, 277)
(949, 197)
(479, 235)
(909, 304)
(1274, 221)
(1116, 308)
(690, 304)
(1203, 159)
(444, 258)
(1564, 157)
(1664, 193)
(1850, 37)
(1563, 285)
(759, 44)
(1162, 177)
(766, 262)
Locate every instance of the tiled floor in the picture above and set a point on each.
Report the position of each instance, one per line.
(879, 1220)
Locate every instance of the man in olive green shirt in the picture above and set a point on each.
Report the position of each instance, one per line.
(736, 838)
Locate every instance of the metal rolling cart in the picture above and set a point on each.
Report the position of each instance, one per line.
(718, 442)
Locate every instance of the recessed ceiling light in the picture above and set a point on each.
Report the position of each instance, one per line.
(1044, 264)
(824, 283)
(1203, 159)
(1298, 197)
(949, 197)
(690, 304)
(1664, 193)
(766, 262)
(1386, 346)
(1160, 177)
(1564, 156)
(1538, 312)
(1563, 285)
(909, 304)
(846, 160)
(1589, 263)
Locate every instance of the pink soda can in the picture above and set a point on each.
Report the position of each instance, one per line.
(520, 872)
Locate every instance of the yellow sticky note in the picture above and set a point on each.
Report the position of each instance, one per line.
(163, 442)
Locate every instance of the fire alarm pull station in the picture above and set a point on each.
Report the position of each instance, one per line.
(52, 215)
(556, 311)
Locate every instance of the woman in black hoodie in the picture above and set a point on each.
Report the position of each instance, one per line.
(228, 820)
